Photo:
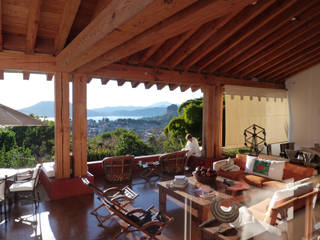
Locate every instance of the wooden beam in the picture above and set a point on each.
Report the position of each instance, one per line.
(276, 22)
(118, 22)
(171, 45)
(121, 82)
(246, 65)
(172, 86)
(196, 40)
(104, 81)
(149, 52)
(160, 86)
(301, 68)
(33, 24)
(295, 55)
(184, 88)
(295, 63)
(26, 75)
(237, 22)
(49, 76)
(20, 61)
(195, 88)
(281, 49)
(191, 17)
(134, 84)
(69, 14)
(1, 31)
(62, 125)
(212, 121)
(144, 74)
(147, 85)
(1, 75)
(79, 125)
(270, 40)
(100, 5)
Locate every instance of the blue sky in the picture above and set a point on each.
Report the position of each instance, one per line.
(18, 93)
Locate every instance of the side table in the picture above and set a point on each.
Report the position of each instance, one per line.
(149, 170)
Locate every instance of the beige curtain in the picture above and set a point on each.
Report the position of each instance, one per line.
(265, 107)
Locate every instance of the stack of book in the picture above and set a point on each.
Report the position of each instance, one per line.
(180, 181)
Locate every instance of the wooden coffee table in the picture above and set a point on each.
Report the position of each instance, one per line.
(201, 205)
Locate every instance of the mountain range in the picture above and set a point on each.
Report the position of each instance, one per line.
(157, 109)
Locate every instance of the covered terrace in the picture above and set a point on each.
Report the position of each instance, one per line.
(204, 44)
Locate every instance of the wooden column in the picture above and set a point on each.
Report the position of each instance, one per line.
(212, 121)
(62, 125)
(79, 125)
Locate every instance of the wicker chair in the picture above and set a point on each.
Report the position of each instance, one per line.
(173, 163)
(118, 169)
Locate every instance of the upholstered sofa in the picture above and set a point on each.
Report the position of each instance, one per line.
(290, 172)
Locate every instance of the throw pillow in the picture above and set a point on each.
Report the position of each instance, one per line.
(249, 163)
(261, 167)
(276, 170)
(218, 164)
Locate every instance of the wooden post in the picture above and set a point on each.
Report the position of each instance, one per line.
(212, 121)
(79, 125)
(62, 125)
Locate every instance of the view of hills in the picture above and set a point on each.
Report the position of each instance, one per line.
(157, 109)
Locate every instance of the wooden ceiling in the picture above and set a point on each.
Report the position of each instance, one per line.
(184, 43)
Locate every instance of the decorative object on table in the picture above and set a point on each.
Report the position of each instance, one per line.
(118, 169)
(205, 175)
(255, 136)
(149, 170)
(180, 181)
(224, 210)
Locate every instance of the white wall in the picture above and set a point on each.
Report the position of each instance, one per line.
(304, 107)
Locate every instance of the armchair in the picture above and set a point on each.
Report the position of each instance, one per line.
(173, 163)
(118, 169)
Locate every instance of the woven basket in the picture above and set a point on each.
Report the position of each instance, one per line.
(205, 179)
(118, 169)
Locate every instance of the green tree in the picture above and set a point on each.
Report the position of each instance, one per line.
(130, 143)
(7, 140)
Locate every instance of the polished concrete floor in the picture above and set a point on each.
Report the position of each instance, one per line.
(71, 219)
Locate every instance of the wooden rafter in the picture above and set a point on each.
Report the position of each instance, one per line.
(281, 48)
(198, 14)
(134, 84)
(1, 37)
(196, 40)
(33, 24)
(104, 81)
(296, 69)
(237, 22)
(149, 52)
(160, 86)
(26, 75)
(144, 74)
(69, 13)
(1, 75)
(172, 86)
(292, 29)
(260, 51)
(292, 60)
(100, 5)
(195, 88)
(147, 85)
(49, 76)
(118, 22)
(280, 20)
(28, 62)
(170, 46)
(184, 88)
(121, 82)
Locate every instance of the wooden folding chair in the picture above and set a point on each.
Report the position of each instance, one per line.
(121, 198)
(150, 222)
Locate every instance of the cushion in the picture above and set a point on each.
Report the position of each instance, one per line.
(303, 188)
(274, 185)
(24, 186)
(218, 164)
(241, 162)
(234, 175)
(2, 189)
(261, 167)
(276, 170)
(249, 163)
(49, 169)
(296, 172)
(255, 180)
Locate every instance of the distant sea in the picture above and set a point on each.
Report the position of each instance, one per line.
(111, 118)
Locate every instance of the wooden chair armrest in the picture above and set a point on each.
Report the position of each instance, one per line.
(112, 189)
(120, 197)
(137, 210)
